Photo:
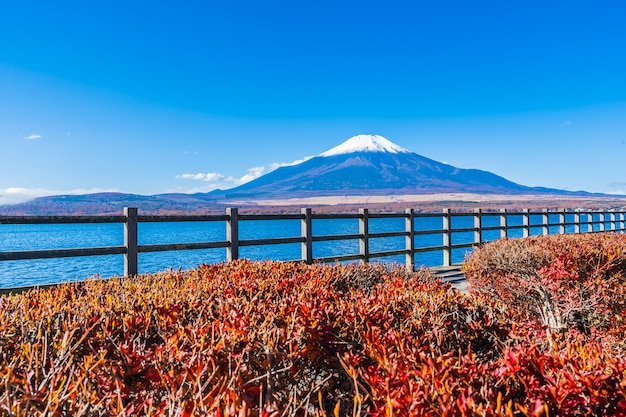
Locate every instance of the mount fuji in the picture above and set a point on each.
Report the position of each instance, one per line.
(373, 165)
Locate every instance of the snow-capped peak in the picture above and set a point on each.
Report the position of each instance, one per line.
(365, 143)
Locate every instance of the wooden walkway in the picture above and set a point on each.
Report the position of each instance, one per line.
(452, 274)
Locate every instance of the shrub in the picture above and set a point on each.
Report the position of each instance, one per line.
(221, 339)
(288, 339)
(562, 280)
(579, 379)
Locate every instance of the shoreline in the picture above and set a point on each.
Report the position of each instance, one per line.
(417, 198)
(457, 201)
(106, 204)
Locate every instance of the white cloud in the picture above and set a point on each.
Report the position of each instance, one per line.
(566, 123)
(252, 174)
(618, 187)
(222, 181)
(276, 165)
(225, 182)
(210, 177)
(16, 195)
(33, 137)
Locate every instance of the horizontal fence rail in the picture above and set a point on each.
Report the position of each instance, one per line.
(478, 227)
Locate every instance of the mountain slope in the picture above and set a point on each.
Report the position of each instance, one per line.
(373, 165)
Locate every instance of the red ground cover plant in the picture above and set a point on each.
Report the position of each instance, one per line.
(288, 339)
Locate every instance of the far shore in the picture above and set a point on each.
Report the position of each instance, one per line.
(452, 200)
(435, 202)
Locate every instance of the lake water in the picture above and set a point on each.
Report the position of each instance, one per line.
(68, 236)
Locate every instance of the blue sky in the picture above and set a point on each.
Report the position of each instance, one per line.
(151, 96)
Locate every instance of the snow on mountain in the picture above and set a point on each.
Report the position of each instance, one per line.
(365, 143)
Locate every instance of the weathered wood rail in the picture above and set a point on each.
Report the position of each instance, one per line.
(594, 221)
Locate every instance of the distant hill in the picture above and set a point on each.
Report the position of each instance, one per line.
(362, 165)
(113, 203)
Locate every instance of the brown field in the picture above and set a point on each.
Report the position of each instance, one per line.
(433, 202)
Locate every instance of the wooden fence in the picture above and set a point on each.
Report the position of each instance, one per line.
(594, 221)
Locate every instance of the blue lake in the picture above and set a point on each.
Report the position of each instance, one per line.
(68, 236)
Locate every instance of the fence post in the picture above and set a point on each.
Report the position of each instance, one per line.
(130, 241)
(612, 219)
(232, 234)
(409, 240)
(544, 222)
(525, 223)
(364, 242)
(602, 219)
(503, 223)
(576, 221)
(561, 221)
(307, 233)
(447, 241)
(478, 227)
